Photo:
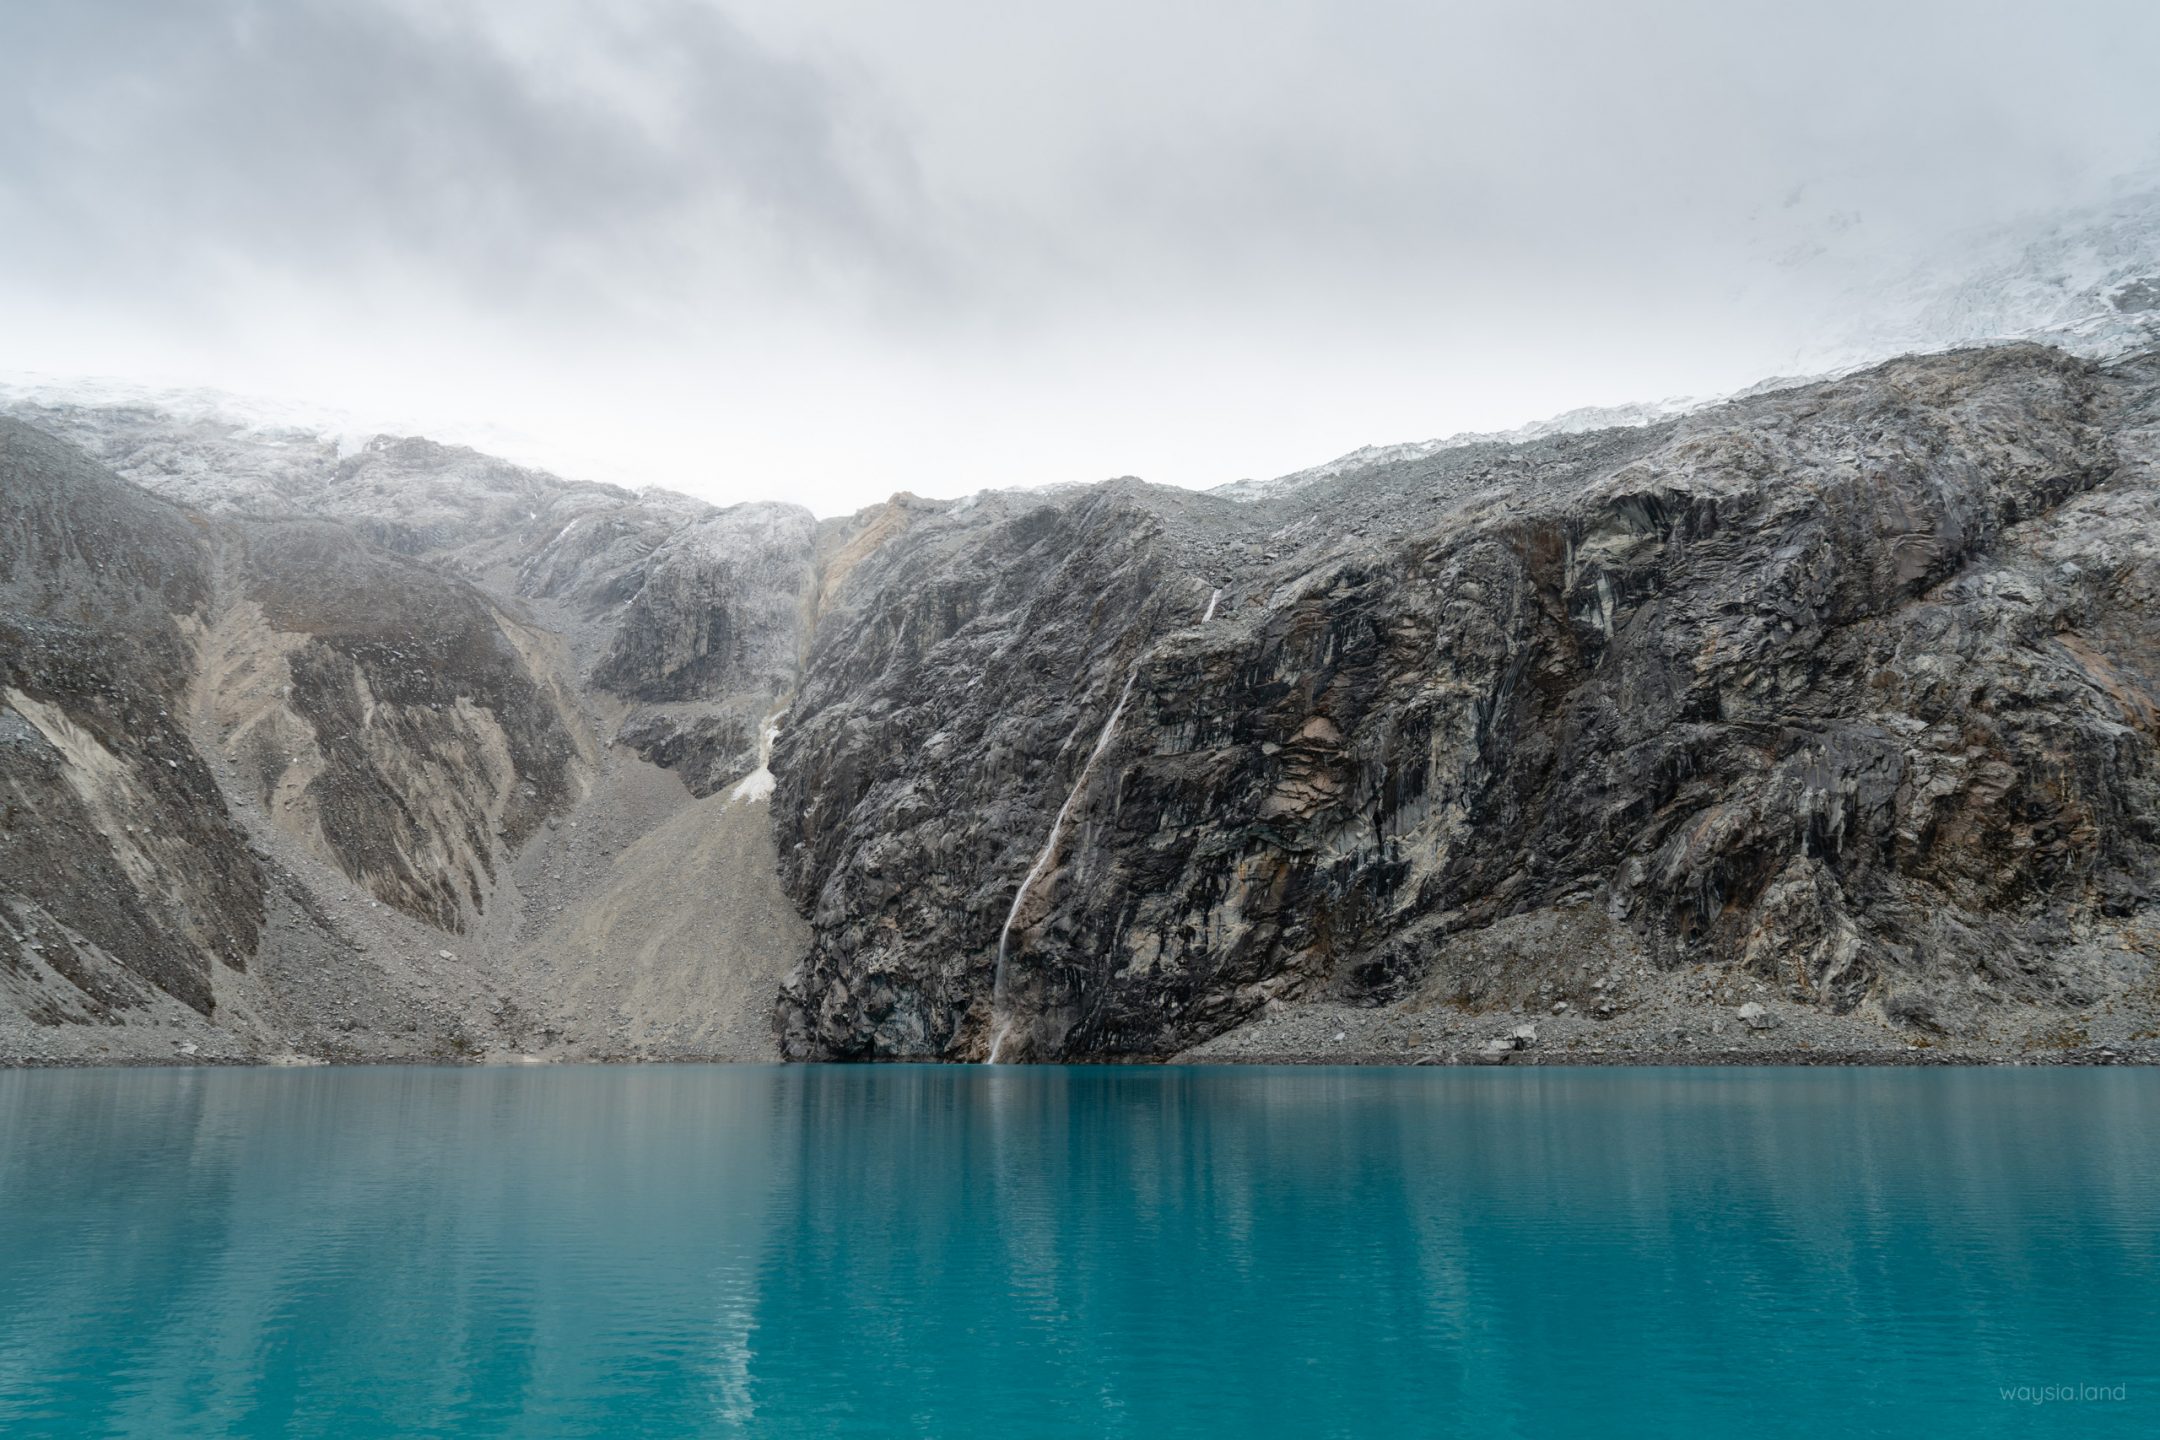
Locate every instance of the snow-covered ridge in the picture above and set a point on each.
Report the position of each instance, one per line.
(217, 449)
(268, 419)
(219, 452)
(1365, 457)
(2086, 280)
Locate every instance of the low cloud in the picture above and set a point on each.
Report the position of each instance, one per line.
(837, 247)
(165, 145)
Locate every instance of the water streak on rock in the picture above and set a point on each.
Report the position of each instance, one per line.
(998, 1014)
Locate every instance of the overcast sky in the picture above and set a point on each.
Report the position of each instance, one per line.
(827, 249)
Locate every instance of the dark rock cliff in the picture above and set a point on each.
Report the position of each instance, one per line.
(1852, 687)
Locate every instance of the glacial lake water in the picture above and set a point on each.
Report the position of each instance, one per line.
(813, 1251)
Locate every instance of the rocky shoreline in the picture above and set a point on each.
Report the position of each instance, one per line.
(1730, 1058)
(1727, 1059)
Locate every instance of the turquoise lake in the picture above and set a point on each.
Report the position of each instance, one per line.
(945, 1252)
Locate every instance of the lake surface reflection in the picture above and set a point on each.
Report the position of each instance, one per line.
(1027, 1252)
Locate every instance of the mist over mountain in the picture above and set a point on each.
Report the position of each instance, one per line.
(828, 250)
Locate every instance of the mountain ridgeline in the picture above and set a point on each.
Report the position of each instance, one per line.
(1840, 700)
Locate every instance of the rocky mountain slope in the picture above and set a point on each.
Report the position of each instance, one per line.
(283, 784)
(1847, 691)
(1839, 702)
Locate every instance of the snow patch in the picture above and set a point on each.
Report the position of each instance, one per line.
(758, 784)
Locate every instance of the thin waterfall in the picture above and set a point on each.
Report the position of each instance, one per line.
(1211, 605)
(1042, 865)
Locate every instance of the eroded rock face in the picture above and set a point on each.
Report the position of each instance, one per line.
(1839, 684)
(698, 615)
(121, 872)
(712, 640)
(382, 714)
(321, 728)
(409, 738)
(720, 608)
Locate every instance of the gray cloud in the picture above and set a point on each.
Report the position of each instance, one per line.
(158, 138)
(832, 247)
